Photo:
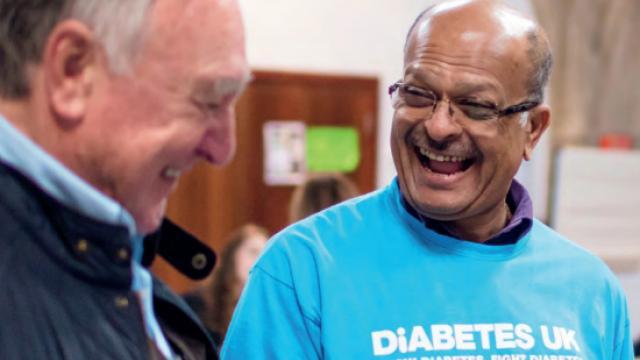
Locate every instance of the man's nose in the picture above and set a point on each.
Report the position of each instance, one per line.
(219, 141)
(442, 125)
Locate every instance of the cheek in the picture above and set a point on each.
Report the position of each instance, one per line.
(497, 140)
(400, 128)
(502, 154)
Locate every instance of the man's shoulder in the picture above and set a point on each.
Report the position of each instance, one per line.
(555, 242)
(340, 228)
(558, 249)
(342, 220)
(16, 216)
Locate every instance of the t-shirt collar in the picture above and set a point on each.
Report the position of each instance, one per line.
(521, 221)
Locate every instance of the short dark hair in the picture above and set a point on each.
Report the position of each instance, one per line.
(24, 28)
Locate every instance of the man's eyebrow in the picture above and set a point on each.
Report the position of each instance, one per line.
(471, 88)
(214, 88)
(424, 77)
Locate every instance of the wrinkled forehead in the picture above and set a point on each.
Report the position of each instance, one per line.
(472, 36)
(215, 21)
(203, 39)
(472, 26)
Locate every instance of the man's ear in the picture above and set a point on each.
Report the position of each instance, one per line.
(539, 119)
(69, 62)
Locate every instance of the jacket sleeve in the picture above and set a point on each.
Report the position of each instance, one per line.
(269, 323)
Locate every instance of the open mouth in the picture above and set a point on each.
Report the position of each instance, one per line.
(443, 164)
(170, 173)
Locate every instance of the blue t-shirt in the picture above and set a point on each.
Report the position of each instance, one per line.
(366, 280)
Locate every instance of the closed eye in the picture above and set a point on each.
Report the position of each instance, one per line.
(211, 106)
(475, 103)
(206, 108)
(412, 90)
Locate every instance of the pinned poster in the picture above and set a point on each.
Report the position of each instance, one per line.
(332, 149)
(284, 152)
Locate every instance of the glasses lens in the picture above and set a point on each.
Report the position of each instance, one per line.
(477, 112)
(416, 97)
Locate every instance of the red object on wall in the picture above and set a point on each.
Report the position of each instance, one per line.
(616, 141)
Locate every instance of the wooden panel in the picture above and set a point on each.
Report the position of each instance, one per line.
(213, 202)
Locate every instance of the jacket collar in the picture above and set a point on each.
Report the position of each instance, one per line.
(94, 249)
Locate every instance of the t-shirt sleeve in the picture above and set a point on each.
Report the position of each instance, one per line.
(269, 323)
(623, 349)
(624, 344)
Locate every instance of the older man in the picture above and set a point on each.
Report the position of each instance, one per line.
(447, 261)
(103, 104)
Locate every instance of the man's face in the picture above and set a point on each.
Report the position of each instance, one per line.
(450, 167)
(174, 109)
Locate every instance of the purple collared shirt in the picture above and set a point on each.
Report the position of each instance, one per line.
(520, 205)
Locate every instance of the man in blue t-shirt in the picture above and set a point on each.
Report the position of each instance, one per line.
(447, 262)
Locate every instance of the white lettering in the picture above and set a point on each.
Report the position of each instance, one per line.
(464, 337)
(484, 330)
(554, 344)
(469, 337)
(379, 348)
(504, 336)
(442, 337)
(402, 340)
(569, 339)
(509, 357)
(419, 340)
(524, 338)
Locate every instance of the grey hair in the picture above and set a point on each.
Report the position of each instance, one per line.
(541, 59)
(25, 26)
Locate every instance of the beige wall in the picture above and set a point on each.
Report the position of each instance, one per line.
(356, 37)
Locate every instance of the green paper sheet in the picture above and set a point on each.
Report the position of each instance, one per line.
(332, 149)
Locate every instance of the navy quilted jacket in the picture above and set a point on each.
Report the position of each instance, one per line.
(65, 284)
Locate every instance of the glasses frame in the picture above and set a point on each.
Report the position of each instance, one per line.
(498, 113)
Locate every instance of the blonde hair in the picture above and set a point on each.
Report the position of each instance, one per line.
(221, 297)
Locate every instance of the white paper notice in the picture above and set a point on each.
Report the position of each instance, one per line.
(597, 203)
(284, 152)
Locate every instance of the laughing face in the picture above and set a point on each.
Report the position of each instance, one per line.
(176, 107)
(452, 166)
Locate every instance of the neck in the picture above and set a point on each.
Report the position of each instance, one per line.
(482, 227)
(16, 112)
(31, 117)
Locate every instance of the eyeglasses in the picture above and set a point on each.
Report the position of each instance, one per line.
(418, 97)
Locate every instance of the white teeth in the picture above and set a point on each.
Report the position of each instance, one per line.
(170, 173)
(441, 158)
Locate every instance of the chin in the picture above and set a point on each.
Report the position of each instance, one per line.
(146, 227)
(438, 205)
(150, 220)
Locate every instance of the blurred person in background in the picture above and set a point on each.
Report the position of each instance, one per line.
(318, 192)
(215, 301)
(103, 105)
(447, 261)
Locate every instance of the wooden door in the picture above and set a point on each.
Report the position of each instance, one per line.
(212, 202)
